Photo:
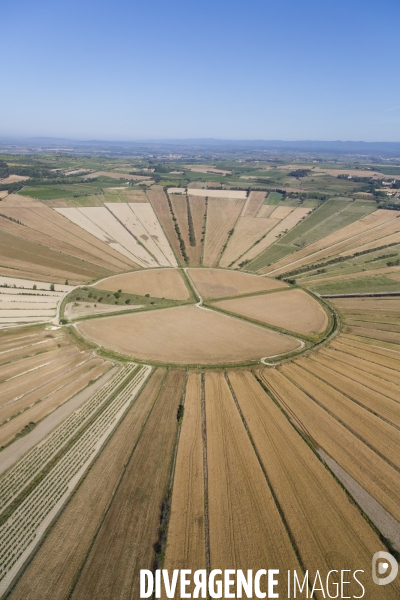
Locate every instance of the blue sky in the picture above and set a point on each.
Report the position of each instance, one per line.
(261, 69)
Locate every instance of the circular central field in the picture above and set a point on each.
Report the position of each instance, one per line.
(224, 318)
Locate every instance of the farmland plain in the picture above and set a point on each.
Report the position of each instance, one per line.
(199, 369)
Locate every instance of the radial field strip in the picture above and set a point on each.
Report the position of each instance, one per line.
(20, 533)
(19, 476)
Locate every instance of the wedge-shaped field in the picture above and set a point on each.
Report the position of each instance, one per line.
(44, 263)
(265, 211)
(244, 520)
(127, 216)
(197, 209)
(47, 227)
(317, 382)
(146, 215)
(293, 310)
(78, 310)
(222, 214)
(53, 569)
(124, 544)
(247, 232)
(28, 521)
(253, 204)
(186, 530)
(324, 431)
(281, 227)
(219, 283)
(179, 204)
(281, 212)
(186, 335)
(101, 223)
(371, 227)
(322, 521)
(160, 205)
(331, 216)
(364, 388)
(159, 283)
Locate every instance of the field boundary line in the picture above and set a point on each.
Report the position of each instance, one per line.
(203, 232)
(167, 503)
(205, 474)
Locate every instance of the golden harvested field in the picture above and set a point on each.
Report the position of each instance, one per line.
(365, 389)
(159, 283)
(358, 306)
(179, 206)
(222, 215)
(381, 375)
(266, 210)
(371, 471)
(253, 204)
(198, 210)
(316, 381)
(242, 512)
(382, 358)
(281, 227)
(159, 202)
(326, 528)
(186, 531)
(25, 390)
(186, 335)
(124, 543)
(218, 283)
(248, 231)
(154, 233)
(54, 568)
(13, 179)
(281, 212)
(293, 310)
(47, 227)
(15, 251)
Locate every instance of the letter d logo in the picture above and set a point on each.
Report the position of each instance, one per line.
(381, 567)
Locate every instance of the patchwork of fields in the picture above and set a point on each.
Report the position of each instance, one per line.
(195, 378)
